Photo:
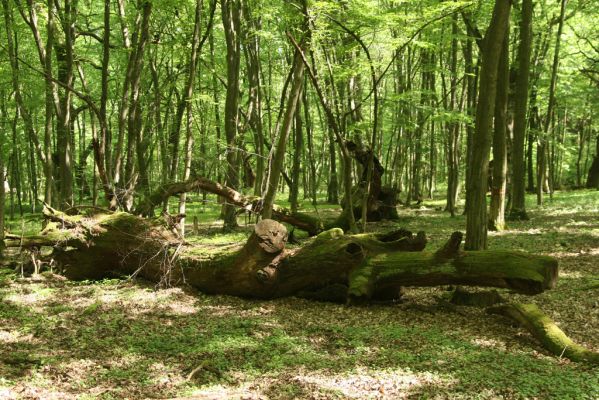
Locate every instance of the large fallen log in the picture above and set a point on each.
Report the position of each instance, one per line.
(362, 267)
(546, 331)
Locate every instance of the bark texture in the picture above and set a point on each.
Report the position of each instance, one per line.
(476, 211)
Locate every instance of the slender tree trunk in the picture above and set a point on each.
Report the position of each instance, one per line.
(453, 161)
(518, 209)
(64, 132)
(254, 71)
(542, 149)
(593, 175)
(333, 184)
(297, 158)
(310, 139)
(15, 168)
(231, 22)
(333, 123)
(193, 61)
(476, 213)
(3, 116)
(499, 181)
(419, 132)
(472, 73)
(23, 112)
(276, 163)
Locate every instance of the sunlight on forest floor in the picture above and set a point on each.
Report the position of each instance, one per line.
(118, 339)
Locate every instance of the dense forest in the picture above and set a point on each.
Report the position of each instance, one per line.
(267, 149)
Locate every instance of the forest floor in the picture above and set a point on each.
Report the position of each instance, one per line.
(120, 339)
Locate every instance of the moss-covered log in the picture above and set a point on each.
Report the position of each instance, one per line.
(546, 331)
(363, 267)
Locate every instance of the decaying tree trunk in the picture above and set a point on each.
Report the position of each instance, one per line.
(331, 266)
(382, 201)
(546, 331)
(351, 268)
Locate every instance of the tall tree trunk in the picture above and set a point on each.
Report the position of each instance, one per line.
(333, 184)
(3, 116)
(216, 100)
(15, 168)
(134, 117)
(310, 139)
(189, 86)
(231, 10)
(51, 99)
(542, 149)
(472, 73)
(64, 132)
(476, 213)
(419, 131)
(254, 71)
(297, 157)
(593, 175)
(23, 112)
(276, 163)
(453, 128)
(518, 209)
(348, 215)
(499, 181)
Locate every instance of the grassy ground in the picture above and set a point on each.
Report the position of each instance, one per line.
(118, 339)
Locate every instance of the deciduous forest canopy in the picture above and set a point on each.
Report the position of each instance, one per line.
(327, 150)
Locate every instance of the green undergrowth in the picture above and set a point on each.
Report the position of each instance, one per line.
(120, 339)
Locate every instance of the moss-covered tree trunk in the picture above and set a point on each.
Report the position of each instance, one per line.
(331, 266)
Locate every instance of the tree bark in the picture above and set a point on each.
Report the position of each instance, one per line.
(296, 165)
(593, 175)
(3, 117)
(276, 163)
(518, 207)
(499, 181)
(543, 146)
(476, 213)
(188, 94)
(453, 128)
(230, 10)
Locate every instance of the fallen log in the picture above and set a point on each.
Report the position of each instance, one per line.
(365, 267)
(546, 331)
(252, 204)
